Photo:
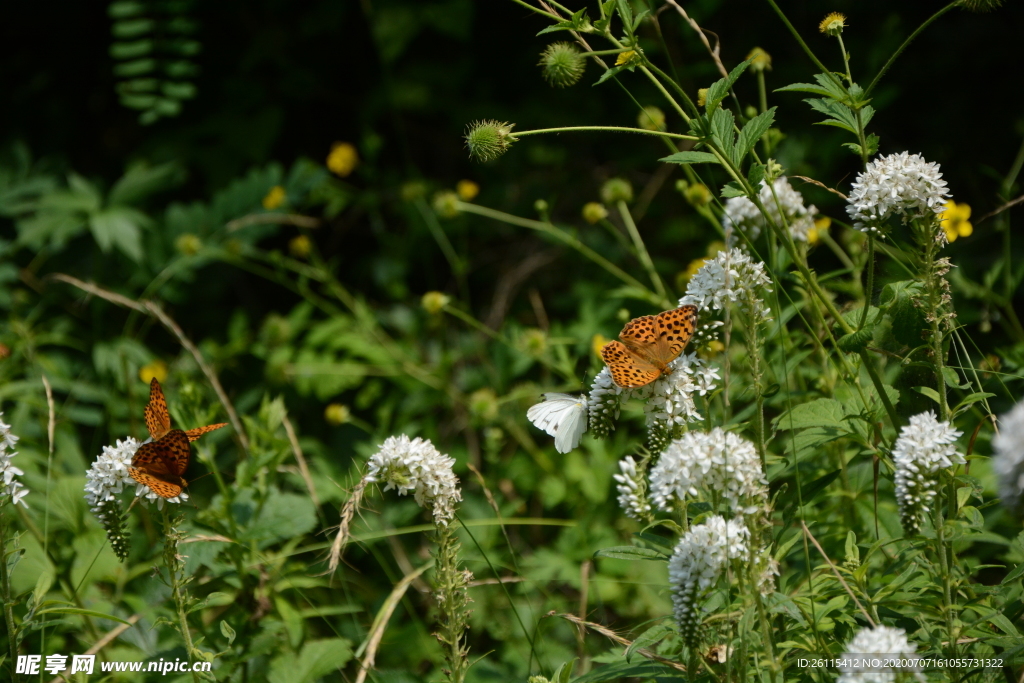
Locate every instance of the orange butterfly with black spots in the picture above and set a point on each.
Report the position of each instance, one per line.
(648, 344)
(161, 462)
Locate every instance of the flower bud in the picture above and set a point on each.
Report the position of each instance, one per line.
(467, 190)
(702, 97)
(434, 302)
(343, 159)
(760, 60)
(483, 404)
(594, 212)
(697, 194)
(412, 190)
(446, 204)
(488, 140)
(651, 118)
(337, 414)
(274, 198)
(300, 246)
(833, 24)
(541, 207)
(534, 342)
(188, 244)
(562, 64)
(616, 190)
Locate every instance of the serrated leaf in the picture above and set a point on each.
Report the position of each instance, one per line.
(119, 227)
(752, 132)
(722, 132)
(821, 412)
(838, 114)
(804, 87)
(755, 175)
(811, 491)
(615, 672)
(690, 158)
(626, 14)
(720, 88)
(609, 73)
(733, 189)
(630, 552)
(640, 17)
(856, 342)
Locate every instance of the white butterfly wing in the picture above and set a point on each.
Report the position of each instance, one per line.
(561, 416)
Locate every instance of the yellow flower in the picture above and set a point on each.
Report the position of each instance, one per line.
(467, 190)
(188, 244)
(300, 246)
(625, 57)
(597, 342)
(760, 60)
(833, 24)
(337, 414)
(955, 220)
(715, 346)
(157, 369)
(343, 158)
(594, 212)
(274, 198)
(702, 97)
(821, 224)
(434, 302)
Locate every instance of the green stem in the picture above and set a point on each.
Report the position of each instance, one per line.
(614, 129)
(817, 62)
(906, 42)
(869, 290)
(947, 592)
(5, 595)
(677, 88)
(173, 565)
(755, 369)
(641, 248)
(561, 236)
(530, 7)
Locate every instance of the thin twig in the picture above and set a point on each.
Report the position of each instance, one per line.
(151, 308)
(298, 220)
(380, 623)
(300, 459)
(820, 184)
(613, 636)
(838, 575)
(1004, 207)
(714, 52)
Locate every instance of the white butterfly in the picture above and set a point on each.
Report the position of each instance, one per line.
(561, 416)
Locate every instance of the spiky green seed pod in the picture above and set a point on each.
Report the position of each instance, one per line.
(488, 140)
(981, 5)
(562, 64)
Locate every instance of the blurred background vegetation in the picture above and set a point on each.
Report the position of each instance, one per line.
(157, 193)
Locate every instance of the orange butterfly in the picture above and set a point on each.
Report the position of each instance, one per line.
(161, 462)
(648, 345)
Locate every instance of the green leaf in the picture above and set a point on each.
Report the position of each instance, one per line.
(317, 659)
(804, 87)
(733, 189)
(690, 158)
(82, 612)
(141, 181)
(283, 516)
(630, 552)
(626, 14)
(722, 132)
(227, 631)
(855, 342)
(755, 175)
(610, 72)
(720, 88)
(1017, 572)
(752, 132)
(952, 379)
(811, 491)
(639, 18)
(852, 551)
(822, 412)
(120, 227)
(838, 114)
(563, 674)
(622, 670)
(970, 400)
(929, 392)
(649, 638)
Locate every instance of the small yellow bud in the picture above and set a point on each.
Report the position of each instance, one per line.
(760, 60)
(446, 204)
(467, 190)
(337, 414)
(715, 346)
(274, 198)
(697, 194)
(627, 57)
(434, 302)
(343, 159)
(702, 97)
(300, 246)
(594, 212)
(821, 226)
(616, 190)
(156, 370)
(188, 244)
(833, 24)
(651, 118)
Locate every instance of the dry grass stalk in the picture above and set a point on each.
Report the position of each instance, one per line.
(613, 636)
(380, 622)
(348, 511)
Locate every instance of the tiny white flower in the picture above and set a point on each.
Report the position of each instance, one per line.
(880, 642)
(743, 214)
(668, 400)
(698, 561)
(9, 484)
(1008, 464)
(925, 446)
(108, 476)
(604, 403)
(632, 490)
(718, 461)
(901, 184)
(731, 276)
(415, 465)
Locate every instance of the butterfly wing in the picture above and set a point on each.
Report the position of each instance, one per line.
(629, 369)
(194, 434)
(158, 420)
(160, 464)
(673, 330)
(561, 416)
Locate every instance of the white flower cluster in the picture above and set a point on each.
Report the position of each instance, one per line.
(880, 642)
(108, 476)
(903, 184)
(718, 461)
(1008, 464)
(604, 402)
(669, 399)
(742, 213)
(9, 485)
(731, 276)
(632, 490)
(415, 465)
(924, 447)
(700, 557)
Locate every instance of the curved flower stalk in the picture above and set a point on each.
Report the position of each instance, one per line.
(11, 489)
(719, 462)
(924, 448)
(742, 214)
(1008, 464)
(699, 560)
(901, 184)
